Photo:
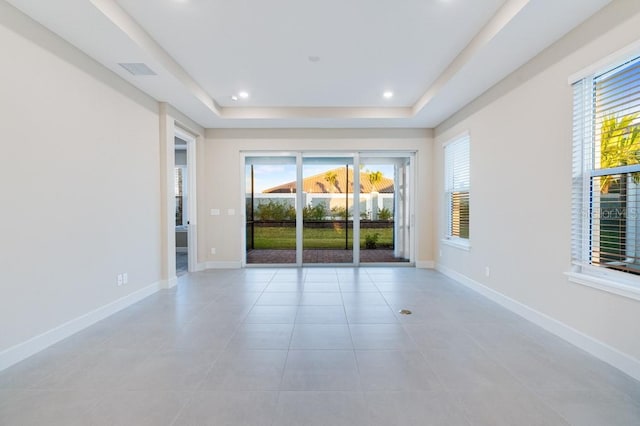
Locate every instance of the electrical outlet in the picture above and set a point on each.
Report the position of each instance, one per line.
(487, 271)
(440, 252)
(125, 278)
(213, 251)
(120, 280)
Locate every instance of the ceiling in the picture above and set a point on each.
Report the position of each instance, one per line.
(313, 63)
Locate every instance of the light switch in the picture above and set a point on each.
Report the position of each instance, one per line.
(231, 212)
(215, 212)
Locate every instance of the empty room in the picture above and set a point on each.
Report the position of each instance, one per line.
(320, 213)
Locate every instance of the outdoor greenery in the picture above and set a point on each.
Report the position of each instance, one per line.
(371, 240)
(316, 238)
(275, 210)
(331, 177)
(374, 178)
(279, 211)
(338, 213)
(619, 146)
(317, 212)
(330, 235)
(385, 214)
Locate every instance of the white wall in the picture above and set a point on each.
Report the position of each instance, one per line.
(521, 185)
(221, 182)
(80, 183)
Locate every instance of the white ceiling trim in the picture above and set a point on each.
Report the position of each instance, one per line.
(498, 22)
(138, 35)
(317, 112)
(119, 17)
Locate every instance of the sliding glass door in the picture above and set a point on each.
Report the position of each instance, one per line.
(327, 184)
(385, 218)
(271, 206)
(309, 208)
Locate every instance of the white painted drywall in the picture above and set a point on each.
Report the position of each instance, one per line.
(80, 183)
(521, 136)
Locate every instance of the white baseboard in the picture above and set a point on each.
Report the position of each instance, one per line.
(224, 265)
(425, 264)
(201, 266)
(170, 283)
(600, 350)
(24, 350)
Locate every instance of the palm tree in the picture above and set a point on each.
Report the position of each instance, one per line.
(619, 146)
(374, 178)
(331, 177)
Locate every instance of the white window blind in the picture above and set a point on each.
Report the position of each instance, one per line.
(457, 186)
(606, 171)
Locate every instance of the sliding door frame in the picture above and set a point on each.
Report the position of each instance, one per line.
(355, 156)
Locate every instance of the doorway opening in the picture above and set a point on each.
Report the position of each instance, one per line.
(309, 208)
(181, 189)
(184, 184)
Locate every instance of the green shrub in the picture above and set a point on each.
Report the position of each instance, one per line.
(371, 240)
(385, 214)
(338, 213)
(318, 212)
(275, 210)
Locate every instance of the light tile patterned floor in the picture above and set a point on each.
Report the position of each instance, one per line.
(316, 346)
(182, 264)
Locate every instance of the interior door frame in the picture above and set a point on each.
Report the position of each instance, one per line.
(170, 120)
(192, 199)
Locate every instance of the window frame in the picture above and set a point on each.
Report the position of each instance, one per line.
(449, 191)
(582, 270)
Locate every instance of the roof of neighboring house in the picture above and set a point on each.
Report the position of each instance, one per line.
(319, 184)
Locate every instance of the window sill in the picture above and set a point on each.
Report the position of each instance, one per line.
(457, 243)
(605, 284)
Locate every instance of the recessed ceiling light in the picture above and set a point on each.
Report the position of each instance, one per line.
(388, 94)
(243, 95)
(314, 59)
(234, 98)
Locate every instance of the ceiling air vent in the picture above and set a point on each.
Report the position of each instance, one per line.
(138, 69)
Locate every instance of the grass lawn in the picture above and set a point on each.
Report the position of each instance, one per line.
(316, 238)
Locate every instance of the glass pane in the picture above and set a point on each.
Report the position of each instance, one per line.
(384, 210)
(460, 214)
(327, 213)
(178, 190)
(615, 239)
(271, 210)
(617, 117)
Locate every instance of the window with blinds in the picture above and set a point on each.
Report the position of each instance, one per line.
(457, 185)
(606, 170)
